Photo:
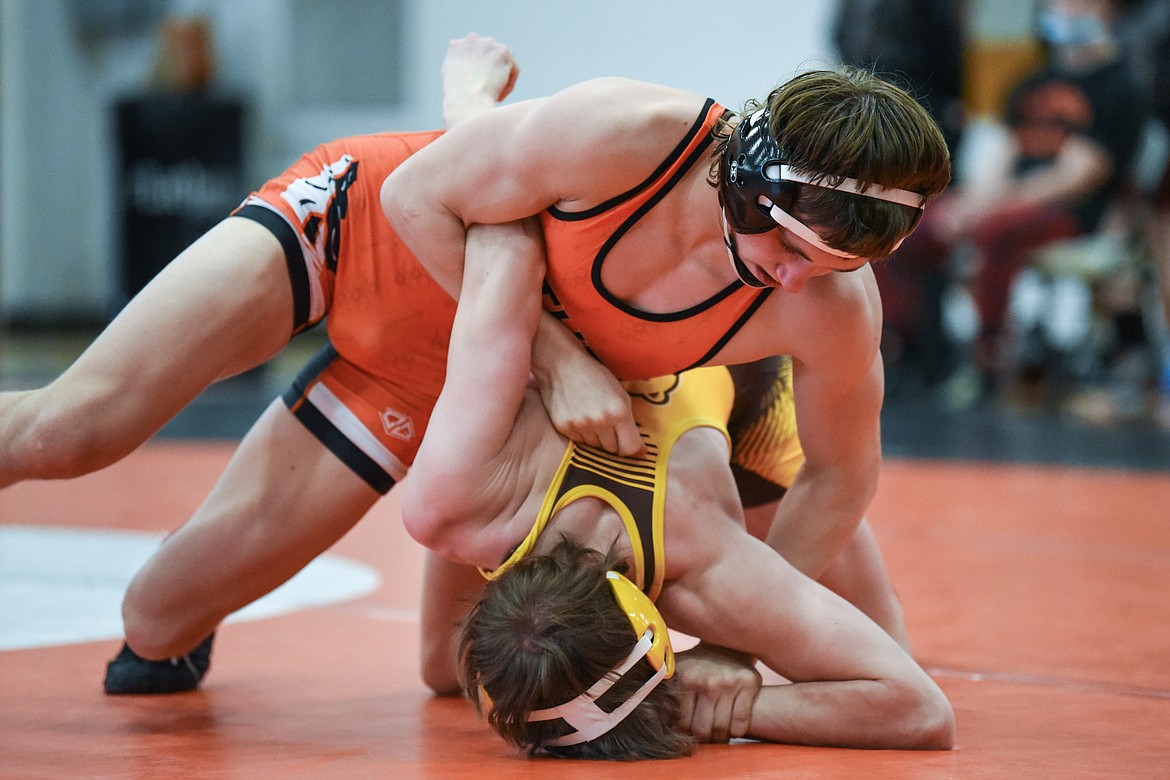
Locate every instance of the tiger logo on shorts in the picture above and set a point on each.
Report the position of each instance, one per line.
(320, 203)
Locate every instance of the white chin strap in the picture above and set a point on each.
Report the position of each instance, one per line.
(583, 714)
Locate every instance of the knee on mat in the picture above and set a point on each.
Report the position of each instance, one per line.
(150, 635)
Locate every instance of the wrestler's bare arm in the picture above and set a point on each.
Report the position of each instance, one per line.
(838, 389)
(517, 161)
(574, 149)
(852, 685)
(461, 476)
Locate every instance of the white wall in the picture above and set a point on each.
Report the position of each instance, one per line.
(57, 241)
(53, 199)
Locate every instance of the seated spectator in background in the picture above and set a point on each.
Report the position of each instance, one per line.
(1148, 26)
(919, 45)
(1159, 234)
(1072, 131)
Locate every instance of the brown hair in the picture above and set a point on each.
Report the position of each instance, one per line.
(543, 633)
(849, 122)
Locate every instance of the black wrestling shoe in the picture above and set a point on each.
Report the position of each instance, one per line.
(131, 673)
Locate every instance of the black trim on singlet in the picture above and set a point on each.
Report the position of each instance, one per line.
(298, 274)
(624, 228)
(735, 328)
(587, 466)
(573, 216)
(295, 398)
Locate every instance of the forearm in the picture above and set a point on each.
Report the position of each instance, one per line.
(872, 714)
(818, 515)
(838, 415)
(1081, 167)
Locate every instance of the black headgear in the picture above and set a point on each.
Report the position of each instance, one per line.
(750, 155)
(755, 176)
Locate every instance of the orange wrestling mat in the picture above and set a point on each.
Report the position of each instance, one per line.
(1038, 597)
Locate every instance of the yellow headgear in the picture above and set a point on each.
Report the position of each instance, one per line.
(582, 713)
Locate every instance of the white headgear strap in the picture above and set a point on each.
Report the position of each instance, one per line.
(789, 222)
(781, 172)
(583, 714)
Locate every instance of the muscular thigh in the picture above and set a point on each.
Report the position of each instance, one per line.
(222, 306)
(282, 500)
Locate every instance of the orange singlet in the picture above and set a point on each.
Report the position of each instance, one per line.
(368, 395)
(636, 344)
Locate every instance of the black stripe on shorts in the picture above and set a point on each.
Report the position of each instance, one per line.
(298, 274)
(320, 426)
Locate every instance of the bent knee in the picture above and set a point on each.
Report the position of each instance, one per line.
(441, 683)
(58, 439)
(154, 635)
(437, 669)
(440, 676)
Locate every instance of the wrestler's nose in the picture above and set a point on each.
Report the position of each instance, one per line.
(792, 273)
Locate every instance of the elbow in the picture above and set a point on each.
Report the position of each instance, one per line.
(391, 196)
(429, 519)
(926, 719)
(401, 196)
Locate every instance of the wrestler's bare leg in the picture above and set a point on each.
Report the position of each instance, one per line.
(221, 307)
(857, 574)
(449, 592)
(282, 500)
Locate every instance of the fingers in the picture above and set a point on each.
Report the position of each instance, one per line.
(628, 441)
(719, 689)
(709, 718)
(513, 74)
(494, 57)
(741, 714)
(607, 440)
(621, 440)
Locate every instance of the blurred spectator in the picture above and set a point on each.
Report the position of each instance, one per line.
(1159, 232)
(919, 45)
(1071, 132)
(1150, 25)
(184, 61)
(1138, 360)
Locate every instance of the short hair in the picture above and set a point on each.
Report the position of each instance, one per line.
(543, 633)
(851, 123)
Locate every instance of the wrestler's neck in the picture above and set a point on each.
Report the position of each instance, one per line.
(590, 522)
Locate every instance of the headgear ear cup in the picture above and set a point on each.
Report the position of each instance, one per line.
(582, 713)
(643, 615)
(750, 155)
